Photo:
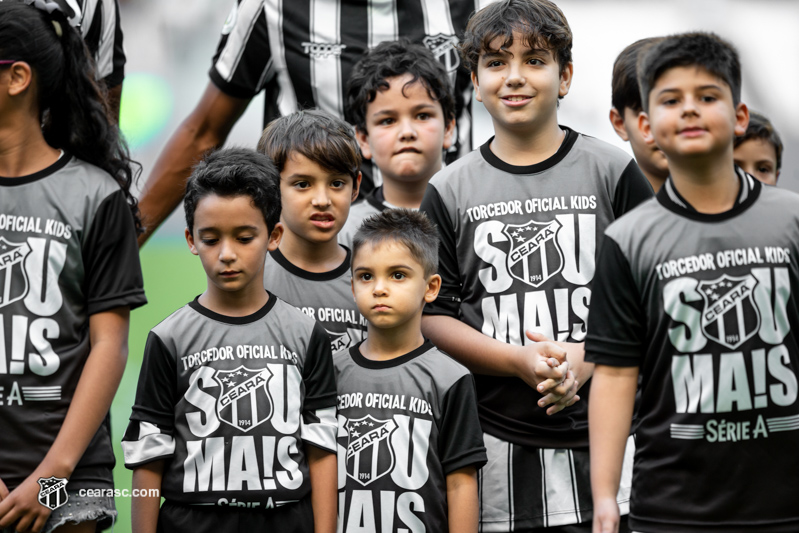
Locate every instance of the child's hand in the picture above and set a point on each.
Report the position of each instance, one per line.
(3, 491)
(606, 516)
(22, 507)
(542, 365)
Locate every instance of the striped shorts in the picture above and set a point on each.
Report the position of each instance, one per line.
(523, 487)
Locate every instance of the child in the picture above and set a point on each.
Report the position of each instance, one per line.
(759, 150)
(400, 102)
(409, 441)
(69, 275)
(317, 156)
(626, 100)
(697, 288)
(234, 419)
(520, 220)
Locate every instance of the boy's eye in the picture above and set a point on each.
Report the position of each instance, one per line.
(385, 122)
(397, 275)
(535, 61)
(494, 63)
(423, 116)
(301, 185)
(209, 241)
(246, 239)
(764, 168)
(709, 98)
(365, 276)
(337, 184)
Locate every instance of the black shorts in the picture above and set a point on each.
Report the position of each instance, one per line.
(290, 518)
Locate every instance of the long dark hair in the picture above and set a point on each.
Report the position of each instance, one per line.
(74, 111)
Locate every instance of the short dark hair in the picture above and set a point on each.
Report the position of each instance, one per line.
(761, 128)
(541, 22)
(697, 49)
(388, 60)
(231, 172)
(410, 228)
(625, 91)
(324, 139)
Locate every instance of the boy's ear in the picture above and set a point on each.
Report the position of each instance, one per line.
(190, 241)
(363, 143)
(617, 121)
(356, 187)
(274, 237)
(449, 135)
(741, 118)
(566, 79)
(433, 286)
(645, 127)
(476, 85)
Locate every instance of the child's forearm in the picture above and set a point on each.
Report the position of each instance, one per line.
(462, 506)
(99, 380)
(322, 467)
(610, 413)
(144, 509)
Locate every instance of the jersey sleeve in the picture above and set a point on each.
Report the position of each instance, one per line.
(461, 438)
(319, 424)
(616, 323)
(111, 258)
(241, 65)
(632, 189)
(449, 297)
(150, 433)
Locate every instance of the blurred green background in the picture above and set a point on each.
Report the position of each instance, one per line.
(172, 277)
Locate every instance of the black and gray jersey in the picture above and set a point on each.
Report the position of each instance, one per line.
(67, 251)
(99, 25)
(229, 402)
(517, 253)
(371, 204)
(324, 296)
(403, 426)
(706, 307)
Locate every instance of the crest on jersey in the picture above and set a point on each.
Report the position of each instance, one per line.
(13, 277)
(244, 402)
(369, 452)
(53, 492)
(338, 341)
(444, 49)
(534, 254)
(730, 316)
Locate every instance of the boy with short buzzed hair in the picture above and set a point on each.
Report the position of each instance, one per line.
(400, 100)
(696, 291)
(317, 156)
(520, 220)
(409, 436)
(234, 420)
(626, 99)
(759, 150)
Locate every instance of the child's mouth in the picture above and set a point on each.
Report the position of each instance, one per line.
(323, 220)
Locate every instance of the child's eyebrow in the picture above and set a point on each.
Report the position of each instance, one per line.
(237, 228)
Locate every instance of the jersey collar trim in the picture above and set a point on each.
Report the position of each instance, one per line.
(377, 199)
(360, 360)
(235, 320)
(670, 198)
(36, 176)
(563, 151)
(336, 273)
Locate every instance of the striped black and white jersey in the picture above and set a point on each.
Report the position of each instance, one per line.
(403, 426)
(371, 204)
(67, 251)
(324, 296)
(99, 25)
(230, 402)
(706, 307)
(517, 252)
(302, 52)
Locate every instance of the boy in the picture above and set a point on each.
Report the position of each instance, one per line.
(400, 101)
(317, 156)
(520, 220)
(409, 440)
(626, 99)
(234, 420)
(697, 288)
(759, 150)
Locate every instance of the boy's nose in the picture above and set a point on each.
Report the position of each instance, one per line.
(515, 77)
(321, 199)
(227, 254)
(407, 131)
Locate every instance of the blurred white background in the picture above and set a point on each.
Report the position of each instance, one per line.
(169, 46)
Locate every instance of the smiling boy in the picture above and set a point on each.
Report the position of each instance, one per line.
(236, 396)
(317, 156)
(711, 330)
(400, 100)
(409, 440)
(520, 220)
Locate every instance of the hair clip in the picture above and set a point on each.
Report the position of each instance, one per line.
(66, 10)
